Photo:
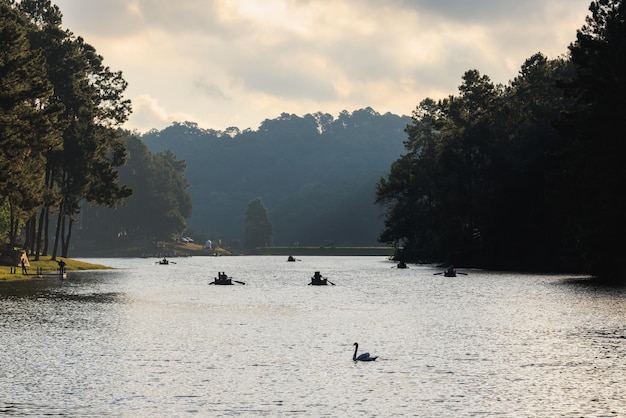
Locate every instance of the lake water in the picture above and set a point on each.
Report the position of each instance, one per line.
(151, 340)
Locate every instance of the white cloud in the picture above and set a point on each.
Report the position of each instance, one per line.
(224, 63)
(147, 114)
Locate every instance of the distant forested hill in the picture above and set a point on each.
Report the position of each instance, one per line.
(315, 174)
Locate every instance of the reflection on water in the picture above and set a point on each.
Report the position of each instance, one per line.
(151, 340)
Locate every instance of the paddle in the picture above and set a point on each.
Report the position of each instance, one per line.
(464, 274)
(237, 281)
(437, 274)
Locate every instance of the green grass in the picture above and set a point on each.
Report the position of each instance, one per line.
(47, 265)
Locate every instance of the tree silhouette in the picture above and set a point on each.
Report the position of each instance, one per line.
(259, 231)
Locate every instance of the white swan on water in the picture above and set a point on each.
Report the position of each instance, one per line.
(362, 357)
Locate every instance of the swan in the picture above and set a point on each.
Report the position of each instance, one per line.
(363, 356)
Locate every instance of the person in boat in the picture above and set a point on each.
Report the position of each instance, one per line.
(317, 279)
(290, 258)
(401, 265)
(451, 271)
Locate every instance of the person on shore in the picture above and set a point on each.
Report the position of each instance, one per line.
(24, 271)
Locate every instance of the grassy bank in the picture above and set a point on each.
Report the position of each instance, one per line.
(325, 251)
(46, 264)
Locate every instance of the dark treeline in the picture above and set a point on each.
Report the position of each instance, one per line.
(315, 174)
(523, 176)
(157, 210)
(59, 112)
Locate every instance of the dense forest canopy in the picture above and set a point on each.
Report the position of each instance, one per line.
(522, 176)
(259, 231)
(157, 210)
(305, 180)
(316, 174)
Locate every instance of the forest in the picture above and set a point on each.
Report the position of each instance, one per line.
(526, 175)
(66, 167)
(60, 107)
(315, 174)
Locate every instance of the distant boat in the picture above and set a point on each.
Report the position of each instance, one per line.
(318, 280)
(450, 272)
(164, 262)
(402, 265)
(290, 258)
(224, 281)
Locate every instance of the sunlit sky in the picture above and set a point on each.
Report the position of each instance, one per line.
(223, 63)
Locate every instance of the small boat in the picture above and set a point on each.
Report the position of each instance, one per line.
(318, 280)
(450, 272)
(290, 258)
(402, 265)
(164, 262)
(222, 281)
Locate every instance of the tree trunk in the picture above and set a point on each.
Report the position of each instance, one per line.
(46, 229)
(57, 233)
(66, 241)
(29, 232)
(12, 226)
(39, 232)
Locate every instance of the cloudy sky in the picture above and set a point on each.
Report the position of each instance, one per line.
(223, 63)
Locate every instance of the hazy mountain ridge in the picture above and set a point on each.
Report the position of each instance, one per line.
(316, 174)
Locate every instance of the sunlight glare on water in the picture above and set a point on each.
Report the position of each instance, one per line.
(151, 340)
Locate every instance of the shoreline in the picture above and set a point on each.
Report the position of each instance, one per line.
(48, 267)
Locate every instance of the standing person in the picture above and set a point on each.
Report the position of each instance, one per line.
(24, 271)
(61, 266)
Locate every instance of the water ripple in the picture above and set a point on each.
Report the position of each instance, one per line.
(144, 340)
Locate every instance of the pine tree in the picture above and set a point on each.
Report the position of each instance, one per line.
(259, 231)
